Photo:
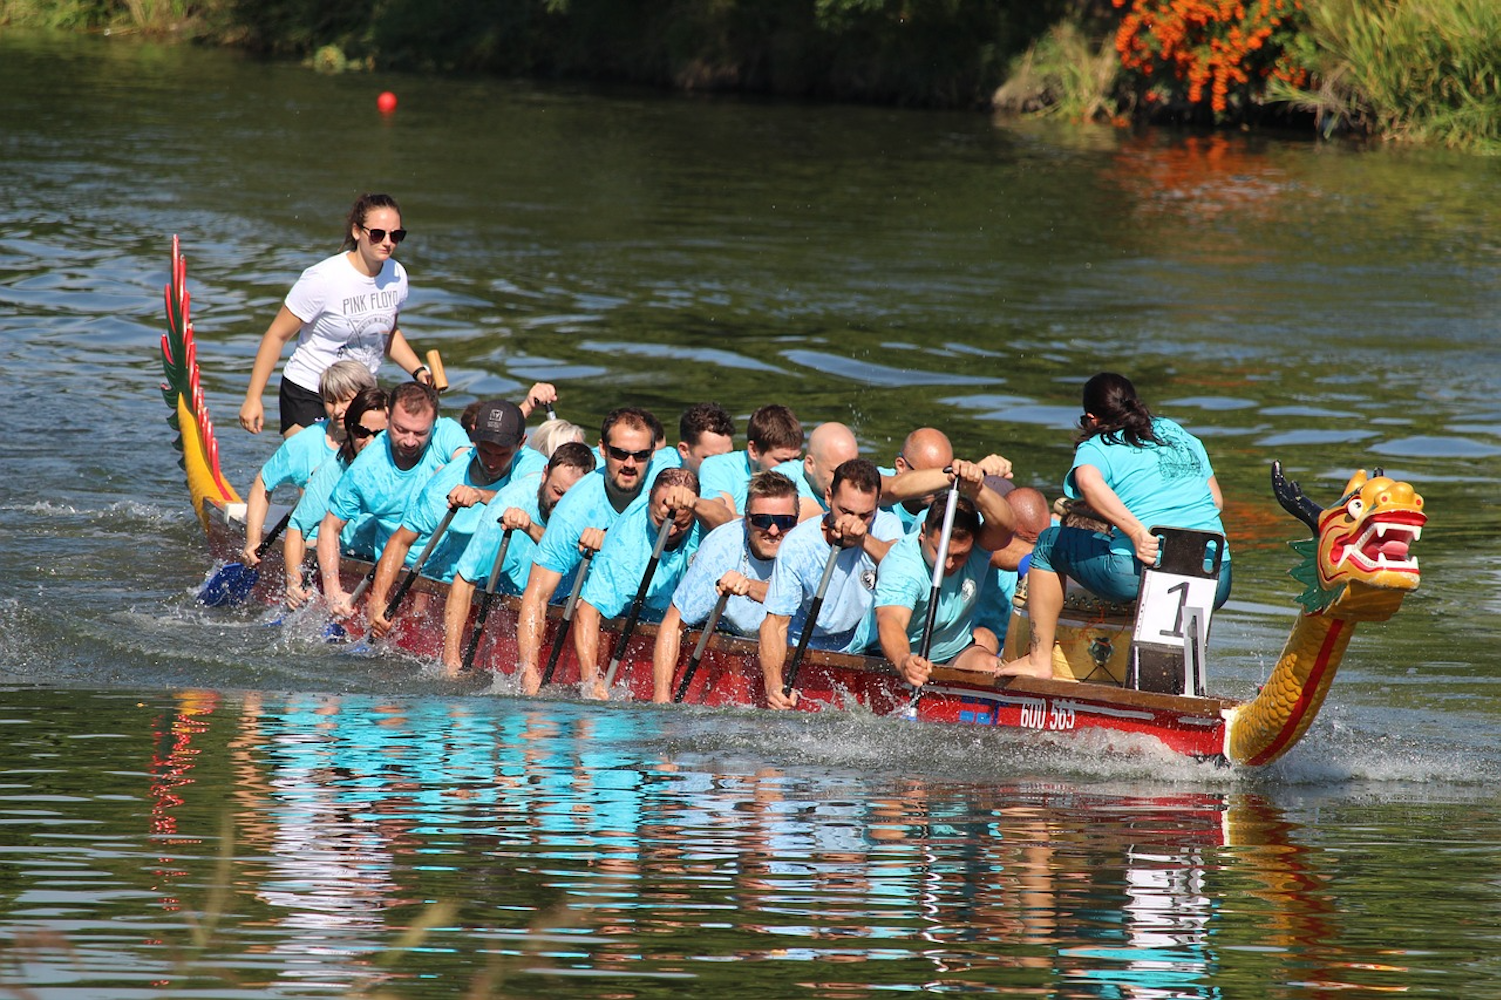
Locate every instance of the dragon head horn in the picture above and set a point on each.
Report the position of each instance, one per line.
(1290, 496)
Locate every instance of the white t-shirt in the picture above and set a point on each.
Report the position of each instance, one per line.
(345, 315)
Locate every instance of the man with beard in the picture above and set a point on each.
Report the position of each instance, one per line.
(382, 480)
(526, 506)
(579, 523)
(734, 559)
(465, 486)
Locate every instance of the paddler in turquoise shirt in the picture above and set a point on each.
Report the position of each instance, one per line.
(382, 480)
(622, 562)
(579, 522)
(464, 486)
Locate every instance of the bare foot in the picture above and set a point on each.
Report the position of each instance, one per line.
(594, 689)
(1026, 666)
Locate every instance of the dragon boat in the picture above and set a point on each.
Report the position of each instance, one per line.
(1357, 567)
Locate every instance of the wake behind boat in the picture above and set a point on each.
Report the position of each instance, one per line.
(1124, 670)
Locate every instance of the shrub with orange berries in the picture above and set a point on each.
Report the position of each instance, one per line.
(1210, 54)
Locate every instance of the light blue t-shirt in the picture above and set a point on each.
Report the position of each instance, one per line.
(298, 458)
(586, 505)
(374, 486)
(722, 551)
(1159, 484)
(357, 536)
(846, 621)
(427, 511)
(906, 580)
(479, 556)
(621, 563)
(728, 473)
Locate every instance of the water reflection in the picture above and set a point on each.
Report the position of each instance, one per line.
(379, 843)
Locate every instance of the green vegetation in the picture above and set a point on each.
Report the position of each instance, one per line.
(1422, 70)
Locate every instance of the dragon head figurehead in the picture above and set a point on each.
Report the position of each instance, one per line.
(1358, 565)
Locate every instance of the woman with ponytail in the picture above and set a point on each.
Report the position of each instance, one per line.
(1136, 471)
(344, 307)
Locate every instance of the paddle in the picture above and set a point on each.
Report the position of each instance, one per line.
(635, 615)
(939, 559)
(698, 650)
(562, 636)
(790, 680)
(489, 598)
(427, 550)
(234, 581)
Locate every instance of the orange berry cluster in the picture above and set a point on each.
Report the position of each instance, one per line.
(1219, 49)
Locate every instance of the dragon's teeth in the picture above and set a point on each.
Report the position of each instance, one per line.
(1417, 533)
(1380, 530)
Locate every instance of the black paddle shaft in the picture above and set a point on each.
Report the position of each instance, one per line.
(698, 650)
(573, 598)
(635, 614)
(810, 623)
(427, 550)
(489, 599)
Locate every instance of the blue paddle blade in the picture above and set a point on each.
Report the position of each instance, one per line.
(334, 632)
(230, 586)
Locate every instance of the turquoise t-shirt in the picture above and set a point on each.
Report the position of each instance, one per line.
(479, 556)
(621, 563)
(994, 609)
(1164, 485)
(845, 623)
(427, 511)
(731, 473)
(906, 580)
(298, 458)
(911, 521)
(374, 486)
(723, 550)
(586, 505)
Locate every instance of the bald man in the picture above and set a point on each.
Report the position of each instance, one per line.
(917, 476)
(829, 446)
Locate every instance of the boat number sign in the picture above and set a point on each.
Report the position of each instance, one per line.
(1039, 713)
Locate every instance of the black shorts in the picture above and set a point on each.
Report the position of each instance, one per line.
(299, 407)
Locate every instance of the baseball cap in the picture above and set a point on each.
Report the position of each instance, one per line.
(499, 421)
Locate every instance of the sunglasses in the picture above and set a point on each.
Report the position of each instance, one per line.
(379, 235)
(1084, 421)
(620, 454)
(765, 522)
(361, 431)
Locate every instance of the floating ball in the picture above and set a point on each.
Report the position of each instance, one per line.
(386, 102)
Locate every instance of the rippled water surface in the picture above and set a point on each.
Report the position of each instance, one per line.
(196, 803)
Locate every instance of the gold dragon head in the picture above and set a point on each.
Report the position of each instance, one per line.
(1359, 564)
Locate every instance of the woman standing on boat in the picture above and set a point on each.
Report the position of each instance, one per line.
(1136, 471)
(345, 306)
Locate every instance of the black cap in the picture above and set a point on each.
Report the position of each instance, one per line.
(500, 422)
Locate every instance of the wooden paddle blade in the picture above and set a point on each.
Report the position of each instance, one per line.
(230, 586)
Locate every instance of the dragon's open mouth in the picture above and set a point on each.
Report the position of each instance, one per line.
(1383, 546)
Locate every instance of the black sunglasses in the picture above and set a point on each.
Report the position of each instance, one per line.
(379, 235)
(362, 432)
(782, 522)
(620, 454)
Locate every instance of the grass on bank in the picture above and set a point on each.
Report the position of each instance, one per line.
(1428, 71)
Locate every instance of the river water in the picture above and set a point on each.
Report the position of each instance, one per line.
(193, 803)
